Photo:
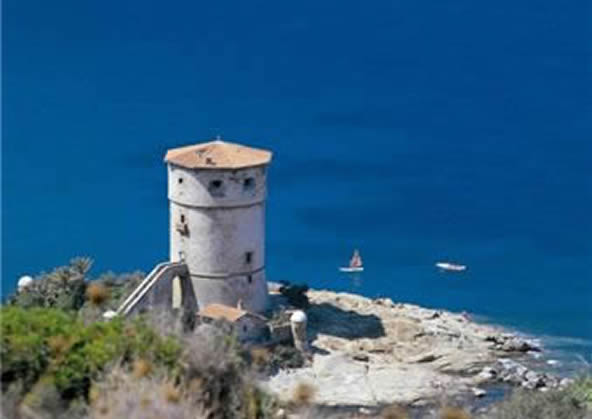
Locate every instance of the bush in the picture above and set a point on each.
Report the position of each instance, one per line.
(68, 288)
(213, 370)
(283, 356)
(50, 359)
(119, 286)
(63, 288)
(555, 404)
(97, 293)
(121, 395)
(25, 352)
(270, 360)
(296, 295)
(581, 390)
(57, 354)
(57, 345)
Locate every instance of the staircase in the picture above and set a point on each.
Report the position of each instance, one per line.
(156, 289)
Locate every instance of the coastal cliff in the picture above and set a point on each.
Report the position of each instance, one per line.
(371, 352)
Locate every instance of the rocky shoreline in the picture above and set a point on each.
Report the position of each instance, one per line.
(372, 352)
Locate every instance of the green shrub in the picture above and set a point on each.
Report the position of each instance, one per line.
(51, 360)
(64, 287)
(57, 344)
(24, 353)
(67, 288)
(581, 390)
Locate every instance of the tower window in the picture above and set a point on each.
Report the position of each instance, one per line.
(248, 257)
(180, 180)
(249, 184)
(249, 279)
(181, 225)
(216, 188)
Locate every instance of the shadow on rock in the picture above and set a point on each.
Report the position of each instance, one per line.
(315, 350)
(328, 319)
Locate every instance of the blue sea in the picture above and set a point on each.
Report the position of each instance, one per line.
(416, 131)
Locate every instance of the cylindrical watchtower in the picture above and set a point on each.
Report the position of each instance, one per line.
(217, 194)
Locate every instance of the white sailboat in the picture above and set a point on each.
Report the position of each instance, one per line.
(355, 263)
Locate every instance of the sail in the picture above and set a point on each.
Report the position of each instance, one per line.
(356, 260)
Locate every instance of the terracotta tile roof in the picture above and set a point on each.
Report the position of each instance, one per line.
(221, 311)
(217, 155)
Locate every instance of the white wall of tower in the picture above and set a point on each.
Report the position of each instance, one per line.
(217, 225)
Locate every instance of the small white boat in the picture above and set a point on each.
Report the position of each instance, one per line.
(355, 263)
(447, 266)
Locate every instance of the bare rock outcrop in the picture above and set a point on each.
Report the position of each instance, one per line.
(372, 352)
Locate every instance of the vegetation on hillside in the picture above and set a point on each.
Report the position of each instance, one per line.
(67, 288)
(55, 364)
(61, 359)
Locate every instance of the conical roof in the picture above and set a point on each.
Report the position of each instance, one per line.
(217, 155)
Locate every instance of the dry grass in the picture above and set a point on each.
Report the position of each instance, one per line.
(303, 394)
(171, 393)
(120, 395)
(394, 411)
(533, 404)
(195, 386)
(260, 356)
(453, 413)
(97, 294)
(142, 368)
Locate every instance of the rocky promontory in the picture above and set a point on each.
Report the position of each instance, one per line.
(371, 352)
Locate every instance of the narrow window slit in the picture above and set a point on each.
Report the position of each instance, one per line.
(181, 225)
(249, 184)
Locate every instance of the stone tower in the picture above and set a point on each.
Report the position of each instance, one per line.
(217, 193)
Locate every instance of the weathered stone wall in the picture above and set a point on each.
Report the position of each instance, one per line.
(217, 226)
(249, 328)
(229, 290)
(194, 187)
(215, 240)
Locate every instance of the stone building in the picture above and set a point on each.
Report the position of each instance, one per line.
(248, 326)
(217, 193)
